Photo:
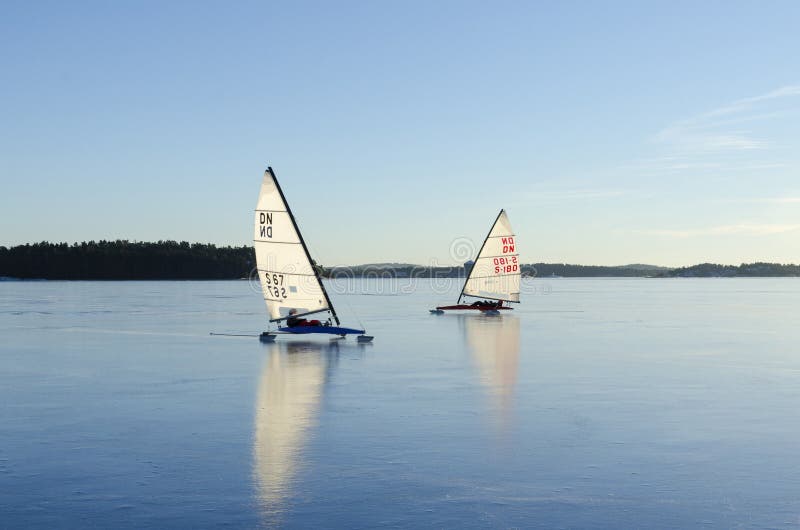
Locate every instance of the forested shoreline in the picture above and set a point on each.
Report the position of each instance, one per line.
(126, 260)
(745, 270)
(173, 260)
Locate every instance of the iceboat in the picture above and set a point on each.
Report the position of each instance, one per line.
(289, 279)
(495, 275)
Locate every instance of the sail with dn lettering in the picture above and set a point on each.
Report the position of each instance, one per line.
(495, 275)
(293, 290)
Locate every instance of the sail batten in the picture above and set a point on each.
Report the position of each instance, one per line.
(495, 274)
(286, 272)
(497, 256)
(293, 273)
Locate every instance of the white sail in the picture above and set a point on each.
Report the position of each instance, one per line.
(287, 276)
(496, 272)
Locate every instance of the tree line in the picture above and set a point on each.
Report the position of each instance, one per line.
(126, 260)
(715, 270)
(172, 260)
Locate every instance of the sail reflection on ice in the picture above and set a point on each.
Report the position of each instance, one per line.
(287, 404)
(493, 342)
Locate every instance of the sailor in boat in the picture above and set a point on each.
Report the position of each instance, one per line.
(487, 304)
(294, 321)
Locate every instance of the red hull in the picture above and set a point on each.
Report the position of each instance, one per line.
(473, 308)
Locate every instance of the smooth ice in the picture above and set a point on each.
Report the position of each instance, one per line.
(599, 403)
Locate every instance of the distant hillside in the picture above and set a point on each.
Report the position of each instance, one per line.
(713, 270)
(393, 270)
(644, 267)
(566, 270)
(171, 260)
(406, 270)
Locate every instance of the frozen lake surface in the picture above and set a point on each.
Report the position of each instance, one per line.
(599, 403)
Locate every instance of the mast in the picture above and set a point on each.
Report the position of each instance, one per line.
(460, 296)
(303, 244)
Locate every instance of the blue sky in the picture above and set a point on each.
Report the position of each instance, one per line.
(613, 132)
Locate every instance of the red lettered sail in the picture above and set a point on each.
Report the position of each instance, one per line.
(496, 272)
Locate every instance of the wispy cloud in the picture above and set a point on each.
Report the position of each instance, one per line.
(579, 194)
(692, 138)
(723, 230)
(782, 200)
(710, 132)
(697, 166)
(747, 103)
(766, 200)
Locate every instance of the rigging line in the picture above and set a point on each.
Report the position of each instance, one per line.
(303, 243)
(343, 299)
(352, 311)
(307, 249)
(478, 255)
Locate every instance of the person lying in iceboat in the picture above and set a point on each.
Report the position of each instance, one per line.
(487, 303)
(294, 321)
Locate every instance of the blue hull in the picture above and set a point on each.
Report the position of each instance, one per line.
(330, 330)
